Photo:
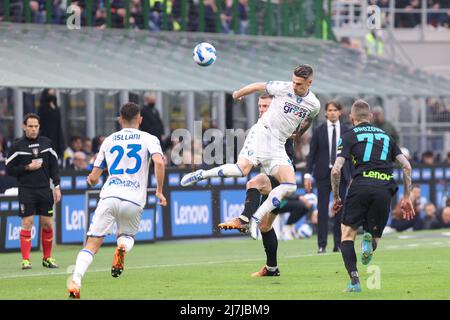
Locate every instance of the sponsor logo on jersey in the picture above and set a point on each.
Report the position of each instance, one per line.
(124, 183)
(377, 175)
(294, 109)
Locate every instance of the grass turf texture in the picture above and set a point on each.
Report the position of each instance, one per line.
(414, 266)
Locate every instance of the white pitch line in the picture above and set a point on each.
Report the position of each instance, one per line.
(160, 266)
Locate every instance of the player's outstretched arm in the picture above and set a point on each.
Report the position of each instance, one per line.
(335, 182)
(406, 204)
(159, 173)
(249, 89)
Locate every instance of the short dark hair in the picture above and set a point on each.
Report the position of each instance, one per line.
(335, 103)
(129, 111)
(361, 110)
(303, 71)
(31, 116)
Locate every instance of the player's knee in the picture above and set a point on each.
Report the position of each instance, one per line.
(286, 189)
(265, 227)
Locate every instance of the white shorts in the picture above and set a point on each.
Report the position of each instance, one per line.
(113, 210)
(263, 149)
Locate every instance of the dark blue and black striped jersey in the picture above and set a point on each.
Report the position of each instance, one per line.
(372, 152)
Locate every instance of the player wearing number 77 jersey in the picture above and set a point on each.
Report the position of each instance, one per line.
(368, 199)
(127, 155)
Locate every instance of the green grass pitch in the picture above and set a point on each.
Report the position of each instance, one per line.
(409, 266)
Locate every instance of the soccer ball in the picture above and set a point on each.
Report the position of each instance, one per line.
(204, 54)
(305, 231)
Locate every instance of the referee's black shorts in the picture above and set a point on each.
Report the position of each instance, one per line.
(35, 201)
(369, 207)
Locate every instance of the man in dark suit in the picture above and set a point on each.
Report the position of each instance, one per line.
(320, 160)
(151, 120)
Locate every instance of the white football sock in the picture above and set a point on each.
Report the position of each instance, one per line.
(127, 241)
(84, 259)
(226, 170)
(274, 199)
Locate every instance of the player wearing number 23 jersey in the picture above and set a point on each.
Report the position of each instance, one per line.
(127, 154)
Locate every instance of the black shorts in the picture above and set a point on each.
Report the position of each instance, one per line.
(35, 202)
(369, 207)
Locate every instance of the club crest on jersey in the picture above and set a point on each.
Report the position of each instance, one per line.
(299, 99)
(35, 151)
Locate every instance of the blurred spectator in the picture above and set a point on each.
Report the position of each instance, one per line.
(226, 16)
(430, 220)
(346, 43)
(428, 158)
(383, 124)
(118, 13)
(87, 147)
(243, 16)
(96, 143)
(374, 43)
(79, 161)
(445, 218)
(408, 19)
(156, 14)
(447, 160)
(51, 126)
(76, 144)
(177, 14)
(210, 15)
(151, 120)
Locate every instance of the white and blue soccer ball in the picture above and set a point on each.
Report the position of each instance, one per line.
(204, 54)
(305, 231)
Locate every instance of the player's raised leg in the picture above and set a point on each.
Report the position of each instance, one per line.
(349, 257)
(239, 169)
(256, 186)
(84, 260)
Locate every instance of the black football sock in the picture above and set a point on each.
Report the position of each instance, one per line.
(349, 256)
(374, 245)
(252, 200)
(270, 242)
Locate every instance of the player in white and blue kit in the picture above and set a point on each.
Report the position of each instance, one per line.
(127, 155)
(292, 110)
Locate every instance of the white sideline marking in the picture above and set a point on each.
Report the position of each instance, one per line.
(413, 245)
(392, 247)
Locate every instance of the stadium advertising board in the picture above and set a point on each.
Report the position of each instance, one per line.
(191, 213)
(231, 206)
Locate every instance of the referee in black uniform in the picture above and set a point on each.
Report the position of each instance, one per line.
(368, 201)
(33, 161)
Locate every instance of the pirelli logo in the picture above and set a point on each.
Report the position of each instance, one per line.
(377, 175)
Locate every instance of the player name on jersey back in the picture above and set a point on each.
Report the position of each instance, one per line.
(125, 137)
